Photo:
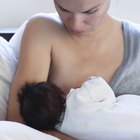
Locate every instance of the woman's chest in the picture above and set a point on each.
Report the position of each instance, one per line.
(72, 68)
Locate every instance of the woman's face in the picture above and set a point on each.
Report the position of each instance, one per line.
(80, 16)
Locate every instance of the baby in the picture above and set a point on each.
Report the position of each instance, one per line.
(41, 105)
(85, 113)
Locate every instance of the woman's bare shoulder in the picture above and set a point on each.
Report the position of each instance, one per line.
(43, 21)
(47, 16)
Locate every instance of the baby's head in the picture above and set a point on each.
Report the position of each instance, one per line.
(41, 105)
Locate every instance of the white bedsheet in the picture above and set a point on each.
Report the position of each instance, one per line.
(16, 131)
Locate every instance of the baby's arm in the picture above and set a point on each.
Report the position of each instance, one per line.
(99, 90)
(94, 89)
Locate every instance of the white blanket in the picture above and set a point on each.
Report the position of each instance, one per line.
(93, 113)
(16, 131)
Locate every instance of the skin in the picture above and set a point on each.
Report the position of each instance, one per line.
(86, 41)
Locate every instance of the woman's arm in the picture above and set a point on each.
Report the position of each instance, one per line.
(34, 62)
(60, 135)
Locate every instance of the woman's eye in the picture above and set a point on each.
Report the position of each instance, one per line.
(63, 10)
(90, 12)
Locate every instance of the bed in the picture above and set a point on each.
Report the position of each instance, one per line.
(111, 130)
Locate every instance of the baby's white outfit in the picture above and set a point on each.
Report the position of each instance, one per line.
(93, 96)
(94, 113)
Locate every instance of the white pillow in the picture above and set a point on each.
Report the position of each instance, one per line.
(15, 41)
(16, 131)
(8, 64)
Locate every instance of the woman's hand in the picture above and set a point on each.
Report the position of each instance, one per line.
(60, 135)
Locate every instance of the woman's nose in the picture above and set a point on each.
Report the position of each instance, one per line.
(76, 22)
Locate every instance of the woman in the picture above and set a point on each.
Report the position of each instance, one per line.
(85, 41)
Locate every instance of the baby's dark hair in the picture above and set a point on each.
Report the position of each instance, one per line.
(41, 105)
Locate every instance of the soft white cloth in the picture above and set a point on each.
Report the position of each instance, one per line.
(93, 112)
(94, 94)
(16, 131)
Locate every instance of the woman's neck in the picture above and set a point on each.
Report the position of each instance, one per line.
(99, 32)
